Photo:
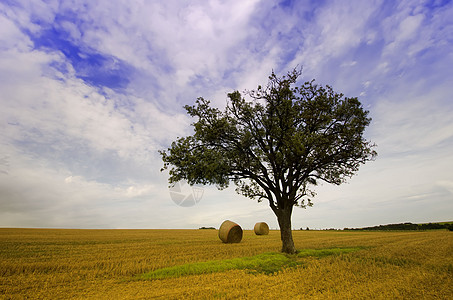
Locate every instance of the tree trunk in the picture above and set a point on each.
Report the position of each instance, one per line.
(284, 220)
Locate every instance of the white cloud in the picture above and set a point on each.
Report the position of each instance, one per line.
(338, 29)
(410, 179)
(409, 27)
(11, 36)
(193, 38)
(36, 194)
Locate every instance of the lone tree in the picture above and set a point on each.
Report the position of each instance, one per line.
(274, 147)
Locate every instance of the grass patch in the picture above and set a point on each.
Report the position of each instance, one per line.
(266, 263)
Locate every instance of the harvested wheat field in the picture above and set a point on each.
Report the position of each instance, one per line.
(181, 264)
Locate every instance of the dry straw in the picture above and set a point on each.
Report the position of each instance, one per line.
(230, 232)
(261, 228)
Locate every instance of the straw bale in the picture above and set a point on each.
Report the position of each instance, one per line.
(230, 232)
(261, 228)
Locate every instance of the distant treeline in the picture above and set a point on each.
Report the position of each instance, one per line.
(408, 226)
(206, 227)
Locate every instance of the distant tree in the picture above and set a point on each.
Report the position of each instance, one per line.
(275, 147)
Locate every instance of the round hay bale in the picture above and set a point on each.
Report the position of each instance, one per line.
(230, 232)
(261, 228)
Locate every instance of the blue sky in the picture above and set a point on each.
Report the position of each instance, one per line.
(90, 90)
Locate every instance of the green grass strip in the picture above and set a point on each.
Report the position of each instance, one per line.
(267, 263)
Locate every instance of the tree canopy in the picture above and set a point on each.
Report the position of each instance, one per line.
(275, 146)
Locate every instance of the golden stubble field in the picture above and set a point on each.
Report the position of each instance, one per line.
(106, 264)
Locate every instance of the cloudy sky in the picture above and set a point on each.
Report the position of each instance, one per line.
(91, 90)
